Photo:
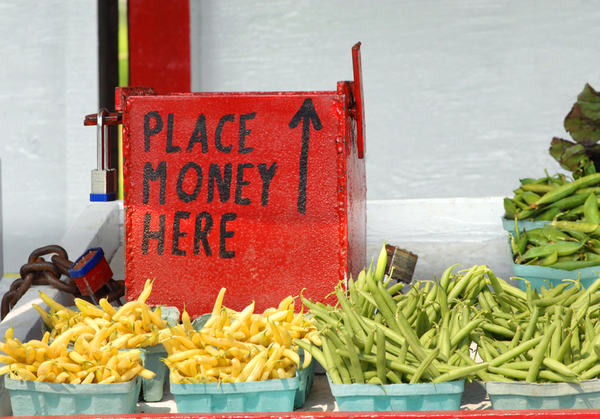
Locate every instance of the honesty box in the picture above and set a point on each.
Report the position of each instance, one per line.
(261, 193)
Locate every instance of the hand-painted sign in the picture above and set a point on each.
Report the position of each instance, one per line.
(261, 193)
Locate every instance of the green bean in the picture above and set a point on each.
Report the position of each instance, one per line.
(395, 288)
(498, 330)
(546, 302)
(509, 372)
(413, 341)
(333, 342)
(381, 304)
(350, 315)
(540, 351)
(337, 372)
(558, 367)
(381, 265)
(518, 365)
(556, 377)
(357, 372)
(318, 355)
(368, 346)
(445, 279)
(425, 364)
(396, 366)
(381, 356)
(461, 284)
(513, 353)
(516, 338)
(461, 372)
(393, 377)
(508, 298)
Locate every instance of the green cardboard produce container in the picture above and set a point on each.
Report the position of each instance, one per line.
(32, 398)
(398, 397)
(539, 276)
(305, 381)
(258, 396)
(153, 388)
(509, 225)
(520, 395)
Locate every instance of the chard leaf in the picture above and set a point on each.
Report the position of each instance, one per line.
(583, 122)
(589, 102)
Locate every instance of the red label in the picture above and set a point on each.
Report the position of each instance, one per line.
(243, 191)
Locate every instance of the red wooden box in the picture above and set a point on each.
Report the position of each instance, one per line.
(262, 193)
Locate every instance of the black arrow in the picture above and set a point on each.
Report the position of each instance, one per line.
(306, 113)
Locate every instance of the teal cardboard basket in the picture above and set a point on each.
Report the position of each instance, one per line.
(521, 395)
(32, 398)
(398, 397)
(540, 276)
(153, 388)
(509, 225)
(276, 395)
(305, 381)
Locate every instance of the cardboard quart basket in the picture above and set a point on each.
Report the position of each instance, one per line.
(542, 276)
(32, 398)
(277, 395)
(509, 225)
(520, 395)
(398, 397)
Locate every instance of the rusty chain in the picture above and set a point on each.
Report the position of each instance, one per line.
(38, 271)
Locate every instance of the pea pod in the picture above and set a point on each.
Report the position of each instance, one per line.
(537, 188)
(590, 210)
(562, 249)
(575, 225)
(567, 189)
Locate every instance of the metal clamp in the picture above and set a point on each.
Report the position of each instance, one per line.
(104, 179)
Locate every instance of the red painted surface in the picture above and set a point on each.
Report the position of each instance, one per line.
(459, 414)
(159, 45)
(292, 216)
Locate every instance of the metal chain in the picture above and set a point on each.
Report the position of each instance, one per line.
(38, 271)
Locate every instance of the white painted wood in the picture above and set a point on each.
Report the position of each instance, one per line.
(48, 83)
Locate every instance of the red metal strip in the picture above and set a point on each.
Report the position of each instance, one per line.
(359, 102)
(159, 45)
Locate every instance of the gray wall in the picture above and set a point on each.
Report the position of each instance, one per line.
(48, 83)
(462, 98)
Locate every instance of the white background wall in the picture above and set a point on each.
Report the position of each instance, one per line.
(462, 97)
(48, 83)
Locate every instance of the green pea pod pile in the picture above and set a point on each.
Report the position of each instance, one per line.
(552, 197)
(566, 245)
(550, 336)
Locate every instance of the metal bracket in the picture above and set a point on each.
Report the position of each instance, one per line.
(358, 101)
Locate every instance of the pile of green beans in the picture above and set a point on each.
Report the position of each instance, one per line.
(376, 335)
(566, 245)
(550, 336)
(553, 197)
